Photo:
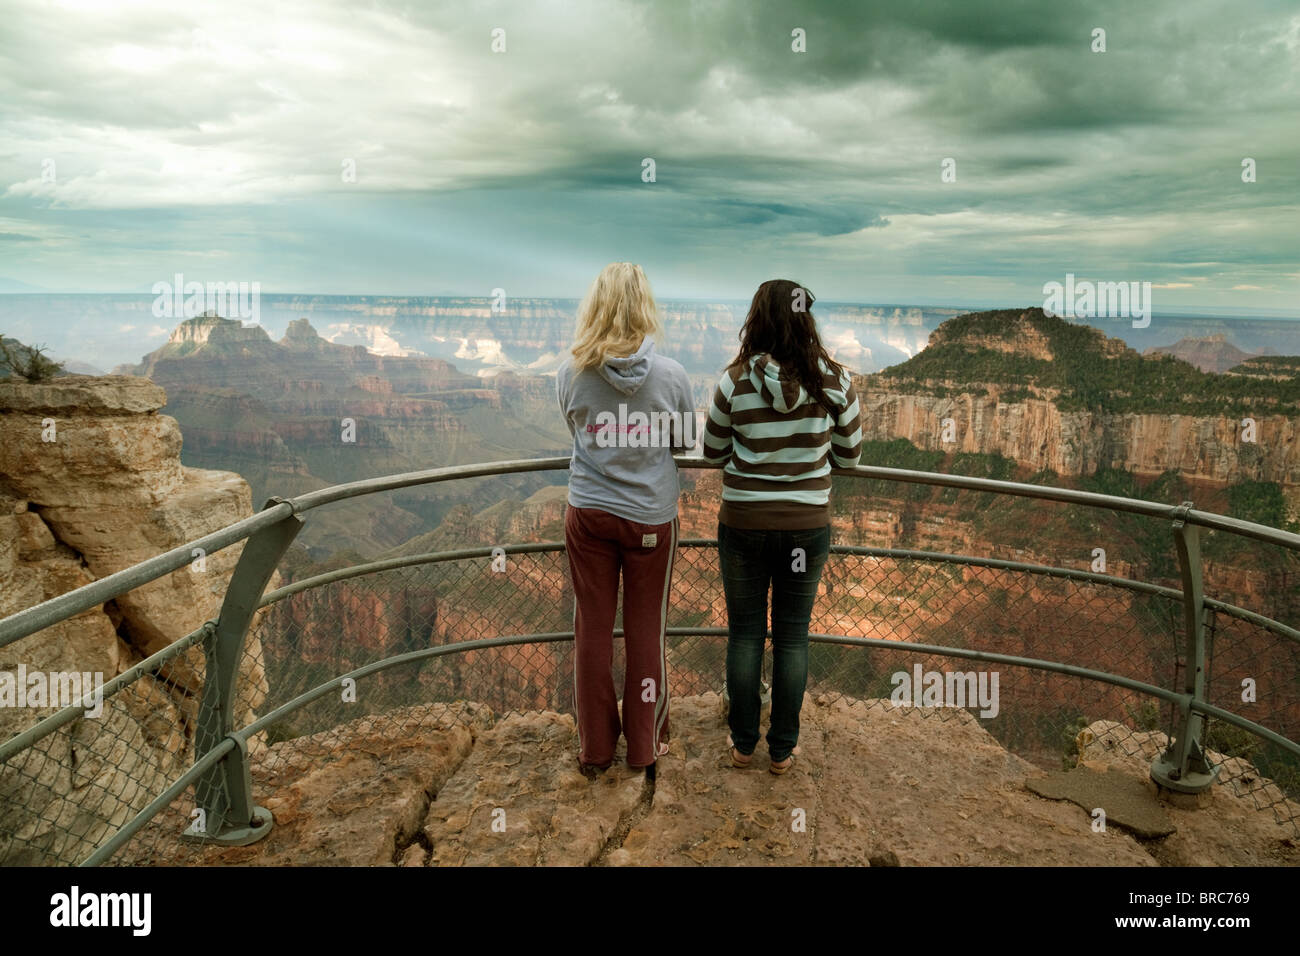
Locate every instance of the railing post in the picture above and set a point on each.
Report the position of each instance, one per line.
(225, 793)
(1183, 767)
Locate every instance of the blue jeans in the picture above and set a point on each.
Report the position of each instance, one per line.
(751, 560)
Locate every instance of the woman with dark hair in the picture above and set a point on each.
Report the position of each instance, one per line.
(783, 413)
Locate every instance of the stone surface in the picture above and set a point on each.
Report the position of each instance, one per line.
(355, 795)
(521, 800)
(79, 395)
(1124, 799)
(873, 785)
(1231, 830)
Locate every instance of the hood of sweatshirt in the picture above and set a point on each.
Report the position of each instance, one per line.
(627, 373)
(777, 386)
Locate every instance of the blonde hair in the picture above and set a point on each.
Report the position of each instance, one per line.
(617, 314)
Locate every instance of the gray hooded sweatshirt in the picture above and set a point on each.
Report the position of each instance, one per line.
(628, 416)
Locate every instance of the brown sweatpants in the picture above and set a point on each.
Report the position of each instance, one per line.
(599, 544)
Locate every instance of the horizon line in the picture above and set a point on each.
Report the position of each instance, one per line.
(985, 305)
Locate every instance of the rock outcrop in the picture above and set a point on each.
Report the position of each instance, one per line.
(91, 483)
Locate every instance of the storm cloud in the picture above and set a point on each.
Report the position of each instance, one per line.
(141, 139)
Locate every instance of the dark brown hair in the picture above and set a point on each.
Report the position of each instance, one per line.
(777, 326)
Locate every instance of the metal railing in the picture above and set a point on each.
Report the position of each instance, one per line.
(73, 789)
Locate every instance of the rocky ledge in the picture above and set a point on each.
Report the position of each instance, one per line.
(451, 785)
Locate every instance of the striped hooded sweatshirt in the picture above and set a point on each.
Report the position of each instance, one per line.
(779, 445)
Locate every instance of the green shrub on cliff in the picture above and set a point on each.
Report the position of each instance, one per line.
(26, 362)
(1261, 502)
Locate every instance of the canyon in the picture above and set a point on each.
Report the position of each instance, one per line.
(304, 413)
(119, 486)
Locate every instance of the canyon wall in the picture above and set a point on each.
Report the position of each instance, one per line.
(1037, 434)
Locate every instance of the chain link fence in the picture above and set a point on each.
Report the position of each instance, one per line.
(314, 636)
(1254, 672)
(74, 787)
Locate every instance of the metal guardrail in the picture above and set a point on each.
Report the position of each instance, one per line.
(19, 625)
(220, 772)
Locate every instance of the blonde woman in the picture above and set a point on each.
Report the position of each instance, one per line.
(628, 410)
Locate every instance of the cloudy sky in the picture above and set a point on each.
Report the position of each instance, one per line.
(142, 139)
